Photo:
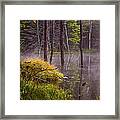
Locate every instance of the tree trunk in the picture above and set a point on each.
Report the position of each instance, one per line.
(89, 59)
(67, 45)
(81, 59)
(51, 40)
(90, 33)
(38, 36)
(80, 45)
(66, 35)
(45, 40)
(61, 44)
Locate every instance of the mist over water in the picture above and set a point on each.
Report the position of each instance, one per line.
(90, 88)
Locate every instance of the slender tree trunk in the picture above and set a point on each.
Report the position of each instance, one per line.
(90, 33)
(80, 45)
(67, 44)
(45, 40)
(51, 40)
(61, 44)
(81, 59)
(89, 59)
(48, 34)
(39, 41)
(66, 34)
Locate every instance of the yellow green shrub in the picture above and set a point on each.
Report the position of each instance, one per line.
(30, 90)
(38, 70)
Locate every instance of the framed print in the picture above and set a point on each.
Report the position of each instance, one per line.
(59, 59)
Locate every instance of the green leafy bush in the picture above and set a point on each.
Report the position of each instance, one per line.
(40, 81)
(38, 70)
(29, 90)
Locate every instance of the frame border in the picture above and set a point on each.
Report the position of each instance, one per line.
(55, 2)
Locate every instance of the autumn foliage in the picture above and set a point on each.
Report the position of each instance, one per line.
(40, 80)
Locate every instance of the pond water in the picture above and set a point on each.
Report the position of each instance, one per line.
(90, 85)
(85, 82)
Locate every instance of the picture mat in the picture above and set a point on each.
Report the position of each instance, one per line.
(15, 13)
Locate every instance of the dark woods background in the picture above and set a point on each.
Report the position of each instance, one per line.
(71, 45)
(35, 33)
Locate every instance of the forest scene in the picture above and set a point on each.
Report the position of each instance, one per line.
(59, 60)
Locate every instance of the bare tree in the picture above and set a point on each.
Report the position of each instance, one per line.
(61, 44)
(90, 33)
(38, 36)
(81, 58)
(90, 36)
(51, 40)
(89, 59)
(45, 40)
(66, 35)
(80, 44)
